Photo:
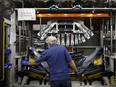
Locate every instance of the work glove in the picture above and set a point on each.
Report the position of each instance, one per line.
(24, 62)
(77, 74)
(41, 51)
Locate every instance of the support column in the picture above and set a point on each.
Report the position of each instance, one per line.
(1, 51)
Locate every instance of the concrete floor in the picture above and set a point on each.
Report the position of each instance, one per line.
(74, 84)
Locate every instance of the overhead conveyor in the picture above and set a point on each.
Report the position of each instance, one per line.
(43, 32)
(77, 31)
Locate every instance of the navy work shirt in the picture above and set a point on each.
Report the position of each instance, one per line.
(57, 58)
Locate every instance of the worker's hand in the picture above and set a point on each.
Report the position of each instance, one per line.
(24, 62)
(41, 51)
(77, 74)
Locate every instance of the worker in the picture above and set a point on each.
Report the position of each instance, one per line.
(59, 61)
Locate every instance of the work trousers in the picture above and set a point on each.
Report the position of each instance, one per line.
(61, 83)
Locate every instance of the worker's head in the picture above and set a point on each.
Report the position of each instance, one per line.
(51, 40)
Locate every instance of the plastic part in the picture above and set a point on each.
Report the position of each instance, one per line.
(8, 65)
(7, 52)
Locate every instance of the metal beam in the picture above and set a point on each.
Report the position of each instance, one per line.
(73, 15)
(2, 38)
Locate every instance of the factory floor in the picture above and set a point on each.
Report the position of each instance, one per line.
(74, 84)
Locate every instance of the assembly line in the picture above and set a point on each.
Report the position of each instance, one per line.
(82, 32)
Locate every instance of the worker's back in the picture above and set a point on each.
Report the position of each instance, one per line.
(57, 58)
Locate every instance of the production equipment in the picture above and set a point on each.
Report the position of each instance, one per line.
(90, 68)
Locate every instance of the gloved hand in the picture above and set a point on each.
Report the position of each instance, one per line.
(77, 74)
(24, 62)
(40, 51)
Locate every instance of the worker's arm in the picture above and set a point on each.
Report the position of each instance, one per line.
(37, 62)
(72, 65)
(26, 63)
(32, 64)
(70, 60)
